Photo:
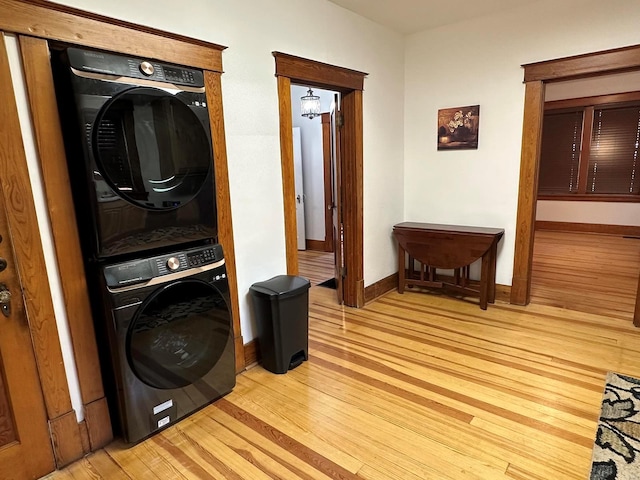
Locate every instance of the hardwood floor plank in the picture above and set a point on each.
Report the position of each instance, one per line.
(316, 266)
(413, 386)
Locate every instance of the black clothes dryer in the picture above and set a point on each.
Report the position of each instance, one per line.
(170, 348)
(139, 151)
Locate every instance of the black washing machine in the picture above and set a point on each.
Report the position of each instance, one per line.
(170, 348)
(139, 151)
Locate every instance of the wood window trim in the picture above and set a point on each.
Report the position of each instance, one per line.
(535, 76)
(593, 101)
(577, 197)
(42, 20)
(288, 69)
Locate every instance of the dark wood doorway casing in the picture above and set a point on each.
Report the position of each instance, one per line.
(291, 69)
(535, 76)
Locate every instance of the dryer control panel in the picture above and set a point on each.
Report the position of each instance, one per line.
(146, 269)
(106, 63)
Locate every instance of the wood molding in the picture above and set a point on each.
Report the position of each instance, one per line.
(380, 287)
(323, 75)
(316, 245)
(525, 222)
(352, 181)
(288, 175)
(66, 437)
(48, 136)
(598, 63)
(43, 19)
(318, 73)
(252, 353)
(589, 101)
(328, 193)
(624, 230)
(29, 255)
(98, 421)
(592, 197)
(213, 88)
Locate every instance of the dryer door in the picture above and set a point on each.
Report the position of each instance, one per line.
(178, 334)
(151, 148)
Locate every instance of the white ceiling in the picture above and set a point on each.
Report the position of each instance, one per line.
(410, 16)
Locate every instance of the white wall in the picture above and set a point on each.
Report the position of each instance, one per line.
(478, 62)
(252, 32)
(312, 160)
(608, 213)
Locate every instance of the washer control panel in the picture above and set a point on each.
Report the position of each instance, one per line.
(143, 270)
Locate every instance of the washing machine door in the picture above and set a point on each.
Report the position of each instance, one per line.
(151, 148)
(178, 334)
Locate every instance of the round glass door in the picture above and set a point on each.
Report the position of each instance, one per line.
(151, 148)
(178, 334)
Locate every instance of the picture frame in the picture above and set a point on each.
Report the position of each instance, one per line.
(458, 128)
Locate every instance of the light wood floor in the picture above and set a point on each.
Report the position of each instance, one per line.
(586, 272)
(411, 386)
(316, 266)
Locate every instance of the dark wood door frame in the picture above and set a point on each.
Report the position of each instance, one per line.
(536, 75)
(350, 84)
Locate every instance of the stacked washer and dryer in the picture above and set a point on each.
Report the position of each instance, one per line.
(140, 161)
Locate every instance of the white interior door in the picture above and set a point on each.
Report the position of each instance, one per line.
(297, 163)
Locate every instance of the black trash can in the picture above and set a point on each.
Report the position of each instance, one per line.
(281, 307)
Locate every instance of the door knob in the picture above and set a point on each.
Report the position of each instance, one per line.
(5, 300)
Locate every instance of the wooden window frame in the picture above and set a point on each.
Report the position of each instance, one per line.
(588, 105)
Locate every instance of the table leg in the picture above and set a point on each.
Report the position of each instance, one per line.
(492, 274)
(484, 280)
(401, 269)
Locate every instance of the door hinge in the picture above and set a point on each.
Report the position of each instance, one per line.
(340, 120)
(343, 271)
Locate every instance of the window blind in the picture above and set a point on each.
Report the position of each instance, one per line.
(614, 163)
(560, 153)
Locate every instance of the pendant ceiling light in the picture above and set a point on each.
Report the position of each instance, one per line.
(310, 105)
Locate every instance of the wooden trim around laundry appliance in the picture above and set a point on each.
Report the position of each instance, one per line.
(31, 266)
(53, 164)
(39, 18)
(213, 88)
(47, 20)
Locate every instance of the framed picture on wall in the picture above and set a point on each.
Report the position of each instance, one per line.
(458, 128)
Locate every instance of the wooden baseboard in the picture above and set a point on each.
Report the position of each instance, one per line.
(239, 353)
(624, 230)
(380, 287)
(66, 439)
(315, 245)
(251, 353)
(98, 422)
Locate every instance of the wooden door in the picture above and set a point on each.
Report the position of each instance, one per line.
(338, 240)
(25, 446)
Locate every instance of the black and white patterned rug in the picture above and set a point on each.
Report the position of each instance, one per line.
(616, 453)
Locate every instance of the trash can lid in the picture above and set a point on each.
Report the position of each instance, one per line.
(281, 286)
